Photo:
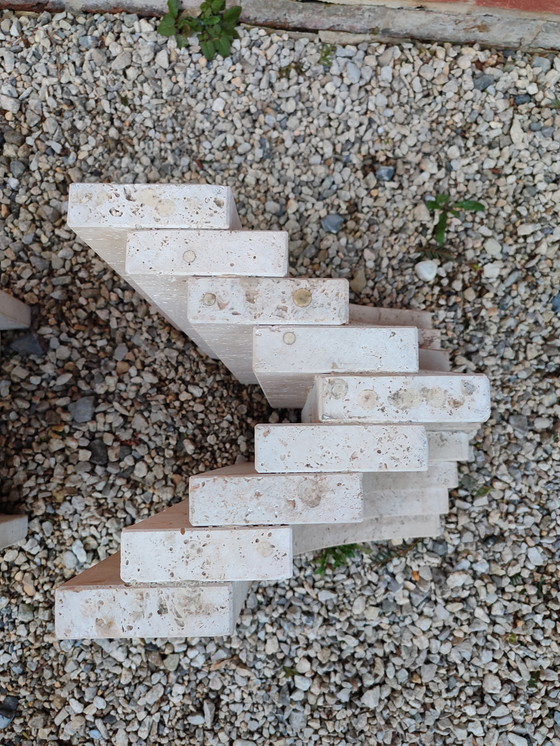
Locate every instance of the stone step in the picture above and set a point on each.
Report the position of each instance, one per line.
(13, 313)
(414, 398)
(387, 528)
(374, 316)
(13, 528)
(103, 215)
(286, 358)
(166, 548)
(98, 604)
(340, 448)
(225, 310)
(438, 474)
(428, 501)
(449, 445)
(238, 495)
(208, 253)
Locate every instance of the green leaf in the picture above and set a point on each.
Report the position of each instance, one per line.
(223, 45)
(231, 15)
(174, 7)
(432, 204)
(208, 49)
(181, 40)
(217, 5)
(440, 229)
(184, 24)
(442, 200)
(469, 204)
(167, 25)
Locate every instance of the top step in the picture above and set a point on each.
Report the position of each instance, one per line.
(103, 214)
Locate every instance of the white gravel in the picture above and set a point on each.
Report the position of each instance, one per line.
(456, 641)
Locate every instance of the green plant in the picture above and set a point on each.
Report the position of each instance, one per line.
(443, 204)
(335, 557)
(326, 56)
(214, 26)
(555, 104)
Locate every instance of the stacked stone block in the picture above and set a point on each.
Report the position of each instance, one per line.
(383, 424)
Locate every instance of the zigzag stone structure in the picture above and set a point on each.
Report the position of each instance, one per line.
(383, 421)
(13, 315)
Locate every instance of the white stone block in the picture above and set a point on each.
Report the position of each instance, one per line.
(449, 445)
(414, 398)
(188, 253)
(102, 215)
(312, 538)
(224, 311)
(13, 313)
(344, 448)
(166, 548)
(286, 358)
(438, 474)
(238, 495)
(13, 528)
(373, 316)
(98, 604)
(427, 501)
(436, 360)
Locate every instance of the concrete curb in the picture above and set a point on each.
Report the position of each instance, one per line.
(348, 23)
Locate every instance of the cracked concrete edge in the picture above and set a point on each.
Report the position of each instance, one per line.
(348, 23)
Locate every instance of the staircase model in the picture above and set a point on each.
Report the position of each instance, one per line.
(383, 422)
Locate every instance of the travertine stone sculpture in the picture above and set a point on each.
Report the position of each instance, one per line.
(383, 423)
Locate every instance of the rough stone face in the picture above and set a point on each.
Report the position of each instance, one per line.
(98, 604)
(209, 253)
(238, 495)
(452, 398)
(166, 548)
(286, 359)
(344, 448)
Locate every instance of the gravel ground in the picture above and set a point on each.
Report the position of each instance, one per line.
(107, 410)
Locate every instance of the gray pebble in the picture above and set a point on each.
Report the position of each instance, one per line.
(385, 173)
(332, 223)
(482, 82)
(82, 409)
(28, 344)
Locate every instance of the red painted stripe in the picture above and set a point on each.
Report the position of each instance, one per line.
(531, 6)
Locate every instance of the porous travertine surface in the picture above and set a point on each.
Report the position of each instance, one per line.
(107, 410)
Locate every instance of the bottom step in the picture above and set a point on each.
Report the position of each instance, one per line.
(311, 538)
(12, 528)
(97, 604)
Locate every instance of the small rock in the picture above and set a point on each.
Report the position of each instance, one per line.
(491, 684)
(353, 72)
(359, 281)
(458, 579)
(519, 422)
(556, 303)
(516, 740)
(525, 229)
(171, 662)
(140, 469)
(385, 173)
(121, 61)
(492, 270)
(543, 63)
(8, 709)
(18, 168)
(9, 104)
(98, 452)
(426, 270)
(82, 409)
(492, 247)
(371, 697)
(302, 682)
(482, 82)
(332, 223)
(535, 557)
(522, 98)
(516, 133)
(28, 344)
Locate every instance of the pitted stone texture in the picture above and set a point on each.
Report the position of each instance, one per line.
(13, 313)
(285, 359)
(345, 448)
(13, 528)
(166, 548)
(102, 215)
(374, 316)
(98, 604)
(401, 502)
(224, 311)
(416, 398)
(238, 495)
(312, 538)
(188, 253)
